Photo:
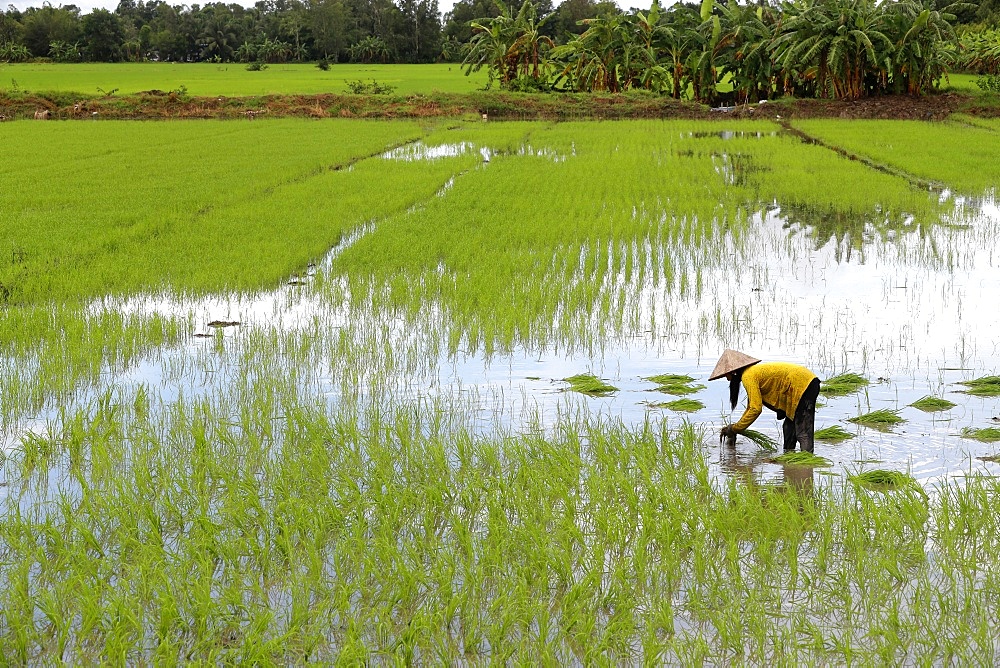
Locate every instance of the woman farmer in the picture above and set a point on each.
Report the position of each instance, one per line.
(788, 389)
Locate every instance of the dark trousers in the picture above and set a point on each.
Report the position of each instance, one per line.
(802, 428)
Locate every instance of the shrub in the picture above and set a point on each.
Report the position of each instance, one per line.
(360, 87)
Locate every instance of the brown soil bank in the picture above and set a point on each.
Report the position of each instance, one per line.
(496, 105)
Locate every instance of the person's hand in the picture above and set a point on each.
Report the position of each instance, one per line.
(727, 433)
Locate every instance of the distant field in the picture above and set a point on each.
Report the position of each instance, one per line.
(232, 79)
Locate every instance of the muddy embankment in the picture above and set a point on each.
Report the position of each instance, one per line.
(157, 104)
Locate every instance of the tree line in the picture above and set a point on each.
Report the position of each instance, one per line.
(823, 48)
(271, 31)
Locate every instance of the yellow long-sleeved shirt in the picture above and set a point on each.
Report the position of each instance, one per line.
(777, 385)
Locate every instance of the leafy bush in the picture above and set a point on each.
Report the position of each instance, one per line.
(256, 66)
(989, 83)
(360, 87)
(323, 64)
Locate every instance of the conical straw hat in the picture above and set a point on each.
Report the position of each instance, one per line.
(731, 360)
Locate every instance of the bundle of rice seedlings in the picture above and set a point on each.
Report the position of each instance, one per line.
(684, 405)
(989, 458)
(987, 435)
(987, 386)
(883, 419)
(763, 441)
(931, 404)
(589, 384)
(881, 478)
(679, 389)
(674, 383)
(801, 459)
(670, 379)
(834, 434)
(842, 385)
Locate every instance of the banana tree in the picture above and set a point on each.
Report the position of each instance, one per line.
(923, 41)
(744, 49)
(510, 45)
(701, 65)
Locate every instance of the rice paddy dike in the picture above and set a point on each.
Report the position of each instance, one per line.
(336, 101)
(296, 390)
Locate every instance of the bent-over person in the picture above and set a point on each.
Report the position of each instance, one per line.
(787, 389)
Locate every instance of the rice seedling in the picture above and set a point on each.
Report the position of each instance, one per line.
(882, 419)
(987, 386)
(670, 379)
(842, 385)
(934, 151)
(986, 435)
(881, 478)
(833, 434)
(680, 389)
(588, 383)
(679, 405)
(799, 458)
(677, 384)
(990, 458)
(760, 439)
(931, 404)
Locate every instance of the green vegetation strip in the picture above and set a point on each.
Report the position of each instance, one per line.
(842, 385)
(986, 435)
(834, 434)
(587, 383)
(883, 419)
(987, 386)
(931, 404)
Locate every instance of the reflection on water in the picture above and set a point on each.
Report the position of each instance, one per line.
(729, 134)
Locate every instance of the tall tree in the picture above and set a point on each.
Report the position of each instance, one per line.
(103, 35)
(47, 24)
(330, 25)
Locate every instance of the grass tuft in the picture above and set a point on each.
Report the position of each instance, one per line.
(589, 384)
(801, 459)
(834, 434)
(842, 385)
(931, 404)
(883, 419)
(987, 435)
(987, 386)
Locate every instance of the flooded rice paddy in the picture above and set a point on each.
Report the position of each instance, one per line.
(911, 307)
(379, 458)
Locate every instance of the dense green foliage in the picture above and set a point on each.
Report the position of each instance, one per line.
(271, 32)
(819, 48)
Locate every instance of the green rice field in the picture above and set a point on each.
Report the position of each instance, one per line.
(372, 392)
(232, 79)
